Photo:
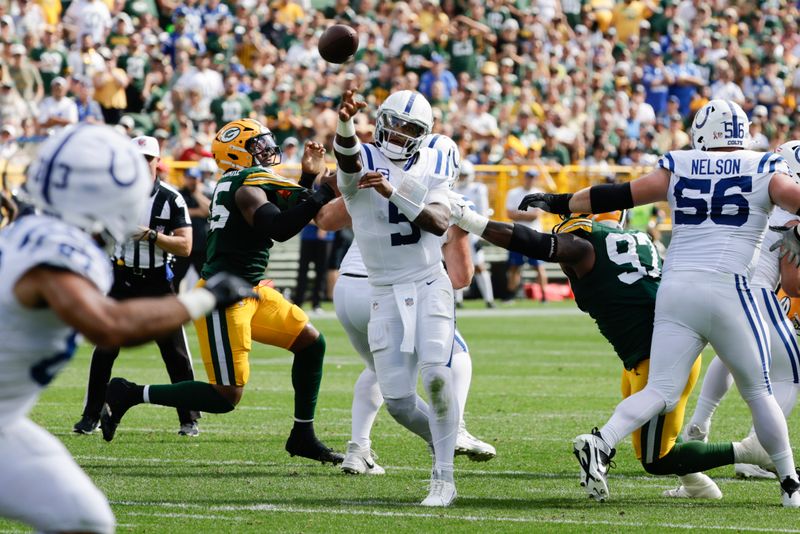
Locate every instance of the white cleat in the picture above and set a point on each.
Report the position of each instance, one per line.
(695, 486)
(361, 461)
(750, 451)
(473, 448)
(441, 494)
(790, 493)
(752, 471)
(695, 433)
(594, 456)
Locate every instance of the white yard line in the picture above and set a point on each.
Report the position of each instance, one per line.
(280, 508)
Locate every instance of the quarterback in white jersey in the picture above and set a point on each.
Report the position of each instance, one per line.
(387, 186)
(721, 195)
(89, 185)
(352, 302)
(771, 272)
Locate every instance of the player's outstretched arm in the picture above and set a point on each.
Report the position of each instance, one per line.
(267, 219)
(346, 147)
(785, 192)
(457, 256)
(108, 322)
(651, 187)
(333, 216)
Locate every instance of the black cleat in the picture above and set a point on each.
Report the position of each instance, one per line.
(306, 444)
(87, 425)
(120, 396)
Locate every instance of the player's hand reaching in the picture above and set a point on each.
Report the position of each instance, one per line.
(350, 106)
(549, 202)
(789, 243)
(376, 181)
(229, 289)
(313, 161)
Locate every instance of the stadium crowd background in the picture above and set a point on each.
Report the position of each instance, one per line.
(524, 82)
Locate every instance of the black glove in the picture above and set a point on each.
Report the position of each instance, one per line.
(323, 195)
(229, 289)
(549, 202)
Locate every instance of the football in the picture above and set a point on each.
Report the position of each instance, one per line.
(338, 43)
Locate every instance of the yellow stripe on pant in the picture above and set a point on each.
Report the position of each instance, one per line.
(657, 437)
(226, 338)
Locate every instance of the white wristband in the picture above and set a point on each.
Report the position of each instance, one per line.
(198, 302)
(346, 129)
(346, 151)
(473, 222)
(408, 208)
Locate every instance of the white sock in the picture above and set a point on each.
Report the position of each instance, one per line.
(631, 414)
(462, 377)
(786, 396)
(367, 400)
(770, 426)
(484, 281)
(444, 415)
(146, 395)
(716, 383)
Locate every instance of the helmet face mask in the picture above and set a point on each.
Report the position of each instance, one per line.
(404, 119)
(264, 150)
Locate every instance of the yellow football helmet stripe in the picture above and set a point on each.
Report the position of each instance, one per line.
(574, 225)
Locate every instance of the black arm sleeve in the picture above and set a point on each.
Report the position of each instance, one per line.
(307, 179)
(282, 225)
(536, 245)
(610, 197)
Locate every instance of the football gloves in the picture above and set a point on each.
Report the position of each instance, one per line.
(789, 243)
(463, 214)
(549, 202)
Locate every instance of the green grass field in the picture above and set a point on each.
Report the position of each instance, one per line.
(542, 374)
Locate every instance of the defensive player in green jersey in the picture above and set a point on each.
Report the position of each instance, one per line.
(615, 276)
(251, 207)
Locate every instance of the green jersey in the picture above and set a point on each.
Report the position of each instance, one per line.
(620, 290)
(233, 246)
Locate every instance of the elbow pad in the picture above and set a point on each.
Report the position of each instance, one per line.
(536, 245)
(610, 197)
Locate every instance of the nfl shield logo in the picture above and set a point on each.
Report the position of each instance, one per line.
(374, 305)
(409, 302)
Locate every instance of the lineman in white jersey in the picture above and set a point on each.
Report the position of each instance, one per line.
(771, 272)
(721, 195)
(89, 184)
(386, 186)
(351, 299)
(478, 194)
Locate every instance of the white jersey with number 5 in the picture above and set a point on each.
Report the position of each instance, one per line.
(393, 249)
(36, 344)
(720, 204)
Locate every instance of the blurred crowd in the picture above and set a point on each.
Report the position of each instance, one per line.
(600, 82)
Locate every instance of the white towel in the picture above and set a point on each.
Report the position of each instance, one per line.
(405, 297)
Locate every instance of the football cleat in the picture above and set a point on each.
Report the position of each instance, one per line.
(695, 433)
(594, 456)
(189, 429)
(790, 492)
(752, 471)
(361, 461)
(119, 397)
(750, 451)
(473, 448)
(305, 444)
(695, 486)
(86, 425)
(441, 494)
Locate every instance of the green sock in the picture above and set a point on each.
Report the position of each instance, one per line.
(190, 395)
(306, 377)
(692, 457)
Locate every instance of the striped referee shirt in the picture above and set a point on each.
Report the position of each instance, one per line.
(166, 212)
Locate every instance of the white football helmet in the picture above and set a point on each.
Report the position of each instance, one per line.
(452, 157)
(92, 177)
(404, 119)
(791, 153)
(720, 124)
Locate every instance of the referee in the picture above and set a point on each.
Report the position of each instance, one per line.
(142, 269)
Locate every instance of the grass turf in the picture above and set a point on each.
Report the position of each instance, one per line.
(542, 374)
